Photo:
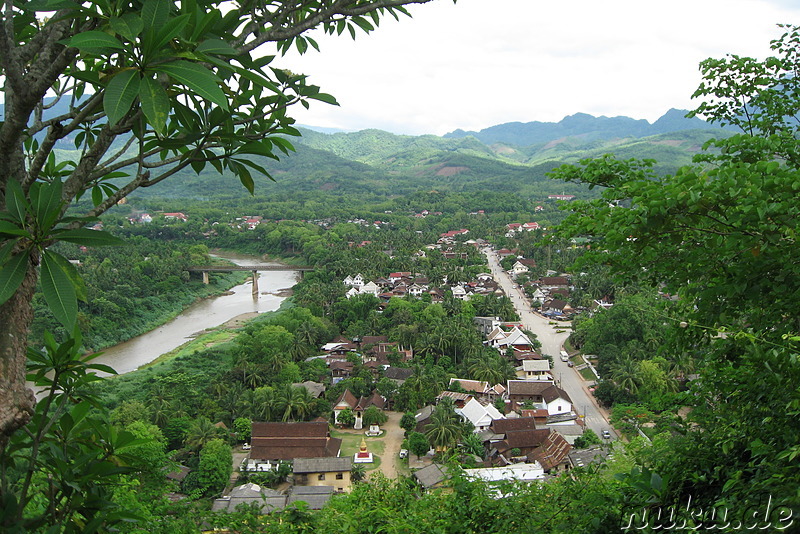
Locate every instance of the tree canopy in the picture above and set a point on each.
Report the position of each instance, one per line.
(721, 236)
(137, 92)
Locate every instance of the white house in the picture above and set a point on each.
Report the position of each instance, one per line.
(479, 415)
(416, 290)
(459, 292)
(535, 370)
(515, 338)
(371, 288)
(358, 281)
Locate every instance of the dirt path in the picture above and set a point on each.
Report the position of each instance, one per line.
(392, 441)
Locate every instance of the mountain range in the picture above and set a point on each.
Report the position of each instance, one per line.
(512, 157)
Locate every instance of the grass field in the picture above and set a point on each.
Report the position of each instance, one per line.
(351, 443)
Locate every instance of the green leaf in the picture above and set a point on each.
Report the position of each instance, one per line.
(95, 41)
(324, 97)
(12, 274)
(46, 202)
(122, 90)
(216, 46)
(155, 104)
(129, 25)
(92, 238)
(197, 78)
(16, 204)
(11, 229)
(59, 292)
(169, 31)
(155, 13)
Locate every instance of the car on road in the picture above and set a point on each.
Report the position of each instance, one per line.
(606, 434)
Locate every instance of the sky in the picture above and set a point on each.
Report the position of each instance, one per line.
(479, 63)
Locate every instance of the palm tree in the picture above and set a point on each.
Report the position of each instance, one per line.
(293, 402)
(201, 432)
(493, 370)
(445, 430)
(625, 373)
(263, 405)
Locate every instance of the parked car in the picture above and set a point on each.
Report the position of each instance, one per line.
(403, 453)
(246, 447)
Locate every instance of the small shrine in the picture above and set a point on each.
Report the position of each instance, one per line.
(363, 456)
(374, 430)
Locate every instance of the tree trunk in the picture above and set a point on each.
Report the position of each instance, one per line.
(16, 400)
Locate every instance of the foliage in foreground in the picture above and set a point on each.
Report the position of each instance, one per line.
(721, 235)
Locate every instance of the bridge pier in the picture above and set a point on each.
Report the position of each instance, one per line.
(255, 283)
(205, 277)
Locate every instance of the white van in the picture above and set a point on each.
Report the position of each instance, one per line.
(564, 356)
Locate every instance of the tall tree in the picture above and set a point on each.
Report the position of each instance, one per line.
(142, 91)
(722, 235)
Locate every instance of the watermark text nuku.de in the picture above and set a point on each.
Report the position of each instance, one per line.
(763, 516)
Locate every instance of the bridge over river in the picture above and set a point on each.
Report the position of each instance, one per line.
(253, 268)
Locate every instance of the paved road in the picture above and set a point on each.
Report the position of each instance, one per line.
(568, 378)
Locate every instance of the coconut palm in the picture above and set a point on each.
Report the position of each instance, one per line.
(445, 429)
(292, 403)
(263, 407)
(493, 369)
(625, 373)
(201, 432)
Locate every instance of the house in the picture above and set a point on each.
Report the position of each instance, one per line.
(398, 374)
(315, 389)
(530, 226)
(416, 290)
(521, 266)
(543, 395)
(513, 472)
(556, 307)
(545, 446)
(432, 476)
(358, 281)
(315, 497)
(288, 441)
(479, 388)
(346, 400)
(584, 457)
(459, 399)
(459, 292)
(370, 288)
(396, 277)
(340, 369)
(481, 416)
(266, 499)
(269, 500)
(486, 325)
(535, 370)
(554, 281)
(176, 216)
(516, 339)
(560, 197)
(325, 471)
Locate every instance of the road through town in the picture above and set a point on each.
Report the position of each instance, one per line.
(552, 339)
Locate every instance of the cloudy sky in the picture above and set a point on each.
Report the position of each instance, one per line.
(484, 62)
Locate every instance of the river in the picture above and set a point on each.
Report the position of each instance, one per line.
(207, 313)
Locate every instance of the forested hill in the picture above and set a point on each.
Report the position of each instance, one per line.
(374, 165)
